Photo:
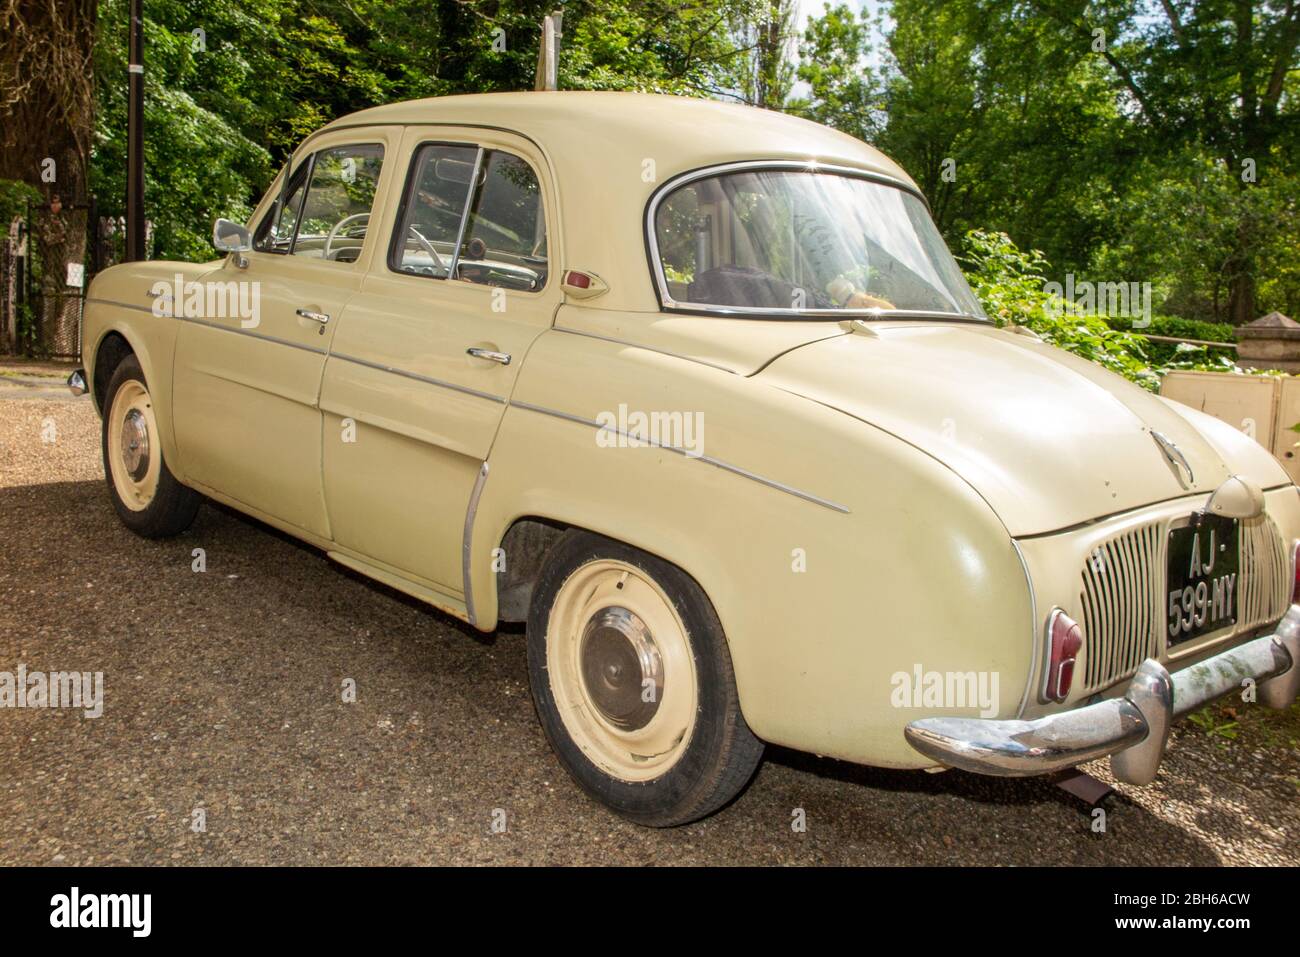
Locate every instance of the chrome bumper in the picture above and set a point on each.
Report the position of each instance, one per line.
(1132, 729)
(77, 382)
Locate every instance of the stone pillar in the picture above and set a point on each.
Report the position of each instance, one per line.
(1270, 342)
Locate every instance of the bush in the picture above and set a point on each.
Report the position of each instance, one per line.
(1009, 282)
(1175, 327)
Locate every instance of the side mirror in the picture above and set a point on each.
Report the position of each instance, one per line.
(230, 237)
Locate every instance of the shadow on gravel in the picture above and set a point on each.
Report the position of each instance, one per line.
(379, 588)
(278, 613)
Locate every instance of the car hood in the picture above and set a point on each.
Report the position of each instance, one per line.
(1048, 439)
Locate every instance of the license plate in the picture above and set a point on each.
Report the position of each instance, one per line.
(1202, 577)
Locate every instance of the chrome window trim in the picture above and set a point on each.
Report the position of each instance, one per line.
(302, 203)
(464, 213)
(668, 303)
(405, 196)
(480, 152)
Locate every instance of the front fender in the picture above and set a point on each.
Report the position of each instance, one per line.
(118, 302)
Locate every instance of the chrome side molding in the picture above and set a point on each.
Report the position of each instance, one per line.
(77, 382)
(467, 542)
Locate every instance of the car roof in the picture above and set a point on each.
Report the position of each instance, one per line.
(597, 144)
(567, 124)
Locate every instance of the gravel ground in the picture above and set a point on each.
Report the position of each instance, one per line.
(223, 693)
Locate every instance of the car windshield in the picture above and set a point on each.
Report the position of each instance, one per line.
(804, 241)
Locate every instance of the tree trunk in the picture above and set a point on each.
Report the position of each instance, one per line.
(47, 121)
(1241, 296)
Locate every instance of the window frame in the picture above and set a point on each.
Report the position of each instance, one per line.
(396, 241)
(276, 212)
(309, 164)
(668, 304)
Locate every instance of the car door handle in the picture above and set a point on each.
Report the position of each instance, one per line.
(489, 354)
(321, 317)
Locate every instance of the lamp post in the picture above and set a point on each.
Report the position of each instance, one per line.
(135, 137)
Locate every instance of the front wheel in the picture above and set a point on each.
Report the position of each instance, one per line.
(145, 494)
(633, 683)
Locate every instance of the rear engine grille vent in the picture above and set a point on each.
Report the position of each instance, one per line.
(1120, 596)
(1123, 580)
(1264, 594)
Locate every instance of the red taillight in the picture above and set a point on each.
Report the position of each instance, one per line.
(579, 280)
(1064, 639)
(1295, 565)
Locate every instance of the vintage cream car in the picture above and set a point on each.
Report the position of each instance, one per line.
(697, 391)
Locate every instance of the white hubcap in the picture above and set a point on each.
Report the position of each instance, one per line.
(621, 670)
(133, 461)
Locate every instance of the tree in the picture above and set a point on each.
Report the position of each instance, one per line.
(764, 35)
(232, 86)
(1155, 142)
(845, 91)
(46, 120)
(1212, 76)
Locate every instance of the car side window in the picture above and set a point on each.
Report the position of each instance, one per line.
(433, 210)
(505, 234)
(275, 233)
(337, 207)
(499, 241)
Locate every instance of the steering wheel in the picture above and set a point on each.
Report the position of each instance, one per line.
(325, 253)
(428, 247)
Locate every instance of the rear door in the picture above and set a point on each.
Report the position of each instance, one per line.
(422, 366)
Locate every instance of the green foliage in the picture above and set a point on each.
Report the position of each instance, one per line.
(1178, 327)
(1009, 282)
(198, 163)
(14, 198)
(224, 107)
(1208, 721)
(1175, 327)
(1131, 142)
(1123, 163)
(844, 90)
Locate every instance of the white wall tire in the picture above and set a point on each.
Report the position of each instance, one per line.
(145, 494)
(633, 684)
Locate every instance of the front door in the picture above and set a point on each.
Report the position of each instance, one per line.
(426, 357)
(247, 381)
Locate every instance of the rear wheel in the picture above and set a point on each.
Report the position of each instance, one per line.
(145, 494)
(633, 683)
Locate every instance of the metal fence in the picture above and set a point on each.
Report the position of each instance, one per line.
(41, 302)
